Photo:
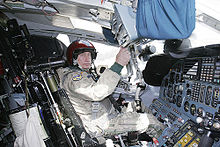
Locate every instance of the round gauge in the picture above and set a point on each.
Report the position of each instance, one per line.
(187, 85)
(186, 106)
(177, 78)
(178, 89)
(193, 109)
(188, 92)
(170, 91)
(209, 89)
(179, 101)
(171, 99)
(200, 112)
(181, 88)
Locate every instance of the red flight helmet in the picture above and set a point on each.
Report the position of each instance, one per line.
(77, 47)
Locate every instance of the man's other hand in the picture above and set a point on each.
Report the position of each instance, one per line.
(123, 56)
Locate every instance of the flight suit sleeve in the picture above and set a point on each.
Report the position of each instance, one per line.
(88, 89)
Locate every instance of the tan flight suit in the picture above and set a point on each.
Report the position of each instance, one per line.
(96, 111)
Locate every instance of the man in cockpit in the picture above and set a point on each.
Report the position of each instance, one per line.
(88, 94)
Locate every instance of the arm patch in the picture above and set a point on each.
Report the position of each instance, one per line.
(77, 77)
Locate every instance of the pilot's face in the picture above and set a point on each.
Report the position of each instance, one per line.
(84, 60)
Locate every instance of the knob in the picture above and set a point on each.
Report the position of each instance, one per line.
(216, 125)
(180, 120)
(207, 122)
(154, 112)
(210, 123)
(199, 120)
(160, 119)
(200, 130)
(166, 119)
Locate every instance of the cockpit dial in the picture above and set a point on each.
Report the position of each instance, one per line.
(186, 106)
(193, 109)
(201, 112)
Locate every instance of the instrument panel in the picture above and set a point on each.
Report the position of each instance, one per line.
(189, 102)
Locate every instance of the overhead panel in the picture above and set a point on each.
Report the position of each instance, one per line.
(124, 25)
(56, 20)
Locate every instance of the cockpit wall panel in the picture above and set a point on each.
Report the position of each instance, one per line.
(189, 102)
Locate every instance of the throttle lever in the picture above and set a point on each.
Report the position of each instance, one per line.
(206, 140)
